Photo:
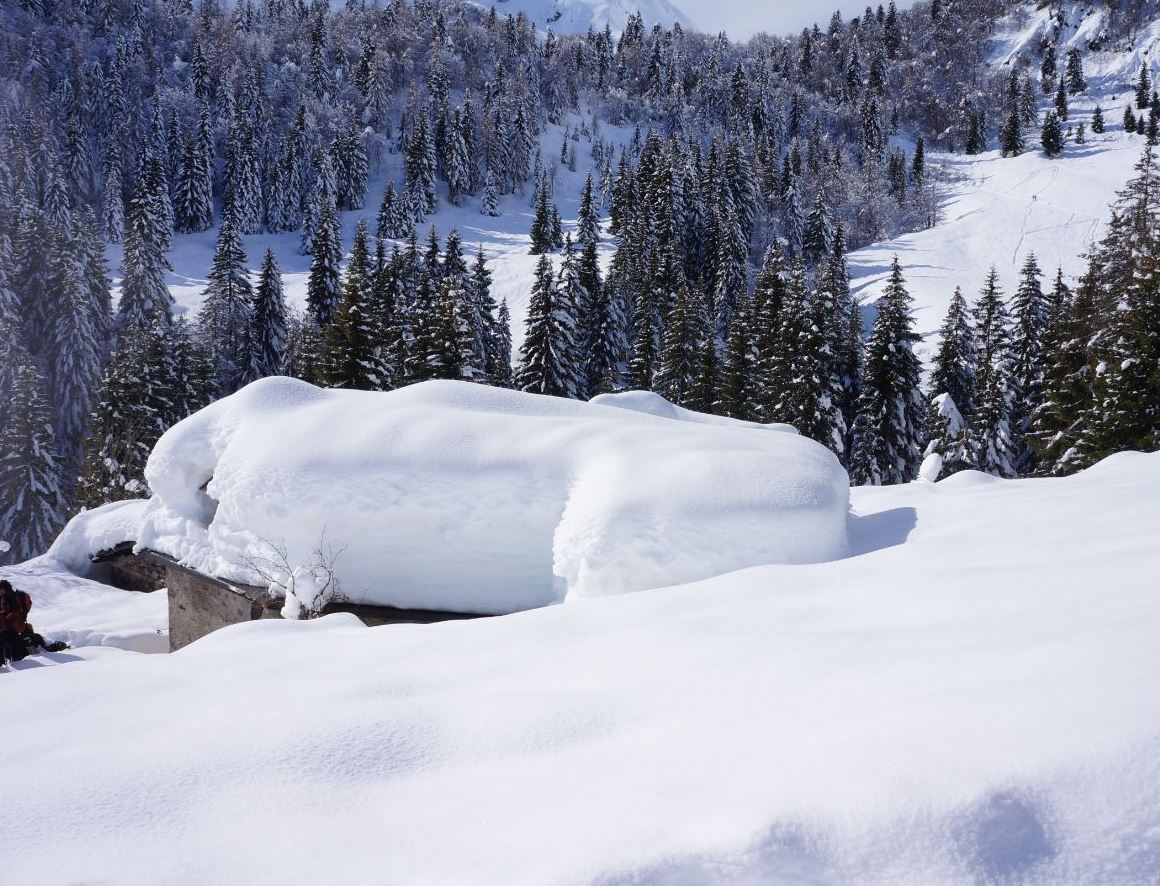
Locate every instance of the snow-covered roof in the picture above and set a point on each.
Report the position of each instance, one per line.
(458, 497)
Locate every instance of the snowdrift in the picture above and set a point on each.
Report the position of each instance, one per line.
(458, 497)
(973, 699)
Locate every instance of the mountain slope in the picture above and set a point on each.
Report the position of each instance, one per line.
(577, 16)
(997, 211)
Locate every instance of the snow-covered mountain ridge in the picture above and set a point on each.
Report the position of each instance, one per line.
(577, 16)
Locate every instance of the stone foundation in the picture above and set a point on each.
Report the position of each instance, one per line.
(199, 605)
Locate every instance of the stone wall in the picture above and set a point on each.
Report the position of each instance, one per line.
(199, 605)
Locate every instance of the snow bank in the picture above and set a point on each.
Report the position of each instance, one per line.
(454, 496)
(974, 700)
(86, 614)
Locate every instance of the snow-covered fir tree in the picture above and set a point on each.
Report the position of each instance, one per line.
(954, 366)
(996, 433)
(323, 285)
(31, 503)
(889, 433)
(546, 361)
(269, 321)
(350, 355)
(226, 315)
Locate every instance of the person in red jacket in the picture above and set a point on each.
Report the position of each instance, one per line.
(16, 635)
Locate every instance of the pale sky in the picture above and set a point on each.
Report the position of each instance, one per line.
(741, 19)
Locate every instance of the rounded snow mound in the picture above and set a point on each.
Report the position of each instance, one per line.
(454, 496)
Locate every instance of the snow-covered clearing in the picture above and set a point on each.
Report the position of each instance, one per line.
(997, 211)
(974, 696)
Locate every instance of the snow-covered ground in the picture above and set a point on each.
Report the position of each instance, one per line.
(972, 696)
(90, 617)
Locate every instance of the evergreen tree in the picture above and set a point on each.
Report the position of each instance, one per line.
(1143, 88)
(818, 237)
(1127, 387)
(889, 431)
(458, 165)
(953, 371)
(503, 376)
(680, 354)
(31, 503)
(1031, 308)
(588, 231)
(801, 392)
(1061, 102)
(489, 202)
(1098, 121)
(1047, 69)
(268, 330)
(144, 295)
(950, 436)
(737, 397)
(545, 365)
(1011, 136)
(1076, 82)
(572, 291)
(135, 405)
(997, 436)
(543, 232)
(1066, 396)
(420, 169)
(243, 188)
(1129, 119)
(77, 349)
(349, 355)
(1051, 137)
(227, 310)
(193, 197)
(323, 286)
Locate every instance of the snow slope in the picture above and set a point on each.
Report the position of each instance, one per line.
(1110, 66)
(974, 697)
(448, 495)
(577, 16)
(997, 211)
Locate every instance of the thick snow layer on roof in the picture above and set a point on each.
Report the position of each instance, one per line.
(454, 496)
(93, 531)
(974, 697)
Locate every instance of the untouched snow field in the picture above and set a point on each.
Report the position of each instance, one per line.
(974, 696)
(449, 495)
